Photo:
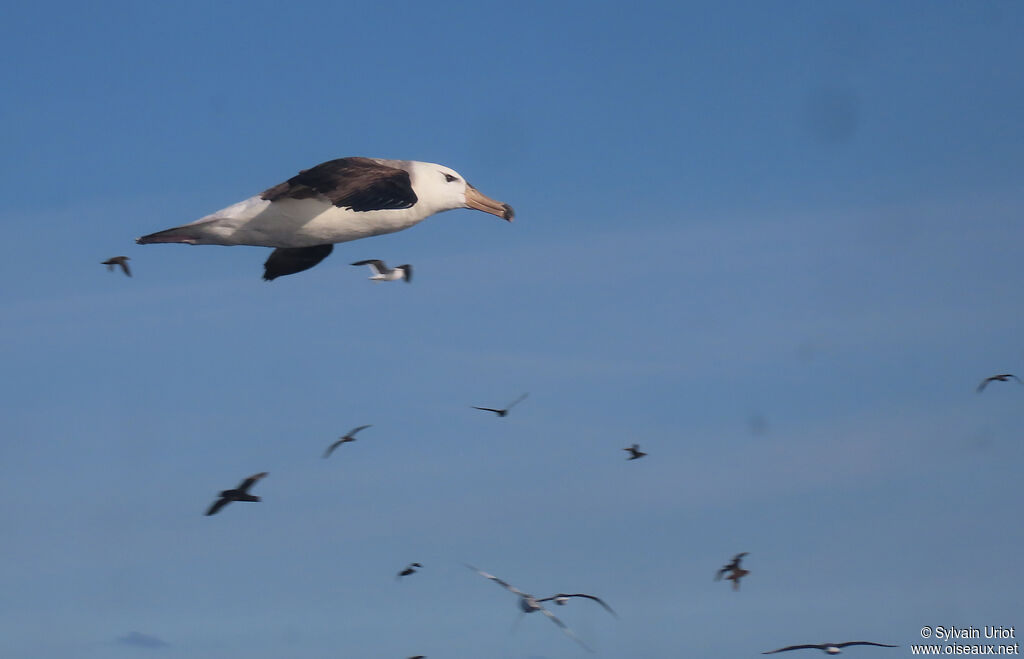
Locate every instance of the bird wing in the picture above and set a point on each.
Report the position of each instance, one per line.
(589, 597)
(561, 625)
(883, 645)
(124, 266)
(217, 505)
(407, 270)
(250, 481)
(516, 402)
(361, 184)
(795, 647)
(356, 429)
(984, 383)
(330, 449)
(488, 409)
(376, 265)
(495, 579)
(289, 260)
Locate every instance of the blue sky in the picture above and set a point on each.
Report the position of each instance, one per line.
(775, 244)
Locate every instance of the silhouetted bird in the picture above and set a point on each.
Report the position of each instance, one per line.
(634, 452)
(505, 411)
(347, 437)
(384, 273)
(241, 493)
(735, 571)
(528, 604)
(118, 260)
(1004, 377)
(409, 569)
(830, 648)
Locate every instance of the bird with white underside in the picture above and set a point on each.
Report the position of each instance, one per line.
(335, 202)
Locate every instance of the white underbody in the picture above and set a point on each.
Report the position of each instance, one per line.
(297, 223)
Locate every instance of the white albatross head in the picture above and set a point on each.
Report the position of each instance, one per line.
(442, 188)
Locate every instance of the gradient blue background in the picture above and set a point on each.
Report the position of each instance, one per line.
(776, 244)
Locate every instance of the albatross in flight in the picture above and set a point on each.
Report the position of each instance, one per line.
(334, 202)
(382, 272)
(350, 436)
(830, 648)
(528, 603)
(240, 493)
(502, 412)
(1002, 377)
(735, 571)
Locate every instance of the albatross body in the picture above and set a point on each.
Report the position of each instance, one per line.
(334, 202)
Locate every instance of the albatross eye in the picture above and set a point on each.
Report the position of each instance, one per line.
(449, 178)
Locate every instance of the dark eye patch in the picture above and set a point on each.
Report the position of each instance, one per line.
(449, 178)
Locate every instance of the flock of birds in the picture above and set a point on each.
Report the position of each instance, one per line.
(351, 198)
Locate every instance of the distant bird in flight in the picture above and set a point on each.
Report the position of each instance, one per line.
(735, 571)
(505, 411)
(241, 493)
(830, 648)
(419, 656)
(528, 604)
(1003, 377)
(409, 569)
(382, 272)
(634, 452)
(347, 437)
(334, 202)
(118, 260)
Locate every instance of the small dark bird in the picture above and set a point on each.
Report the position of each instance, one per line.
(1003, 377)
(505, 411)
(830, 648)
(735, 571)
(118, 260)
(563, 598)
(382, 272)
(409, 569)
(241, 493)
(419, 656)
(634, 452)
(347, 437)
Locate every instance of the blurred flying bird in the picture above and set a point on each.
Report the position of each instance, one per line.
(634, 452)
(563, 598)
(347, 437)
(409, 569)
(528, 604)
(241, 493)
(382, 272)
(735, 571)
(830, 648)
(118, 260)
(505, 411)
(1003, 377)
(333, 202)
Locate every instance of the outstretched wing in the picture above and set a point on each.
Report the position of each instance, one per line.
(357, 429)
(376, 265)
(498, 581)
(881, 645)
(488, 409)
(289, 260)
(516, 401)
(217, 505)
(794, 647)
(361, 184)
(250, 481)
(561, 625)
(589, 597)
(330, 449)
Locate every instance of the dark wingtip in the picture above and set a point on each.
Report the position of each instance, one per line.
(509, 214)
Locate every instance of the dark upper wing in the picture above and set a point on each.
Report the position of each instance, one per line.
(565, 629)
(217, 505)
(516, 401)
(589, 597)
(330, 449)
(248, 482)
(407, 269)
(488, 409)
(883, 645)
(794, 647)
(356, 429)
(377, 263)
(289, 260)
(124, 266)
(984, 383)
(361, 184)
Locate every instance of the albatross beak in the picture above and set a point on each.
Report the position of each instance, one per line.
(481, 202)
